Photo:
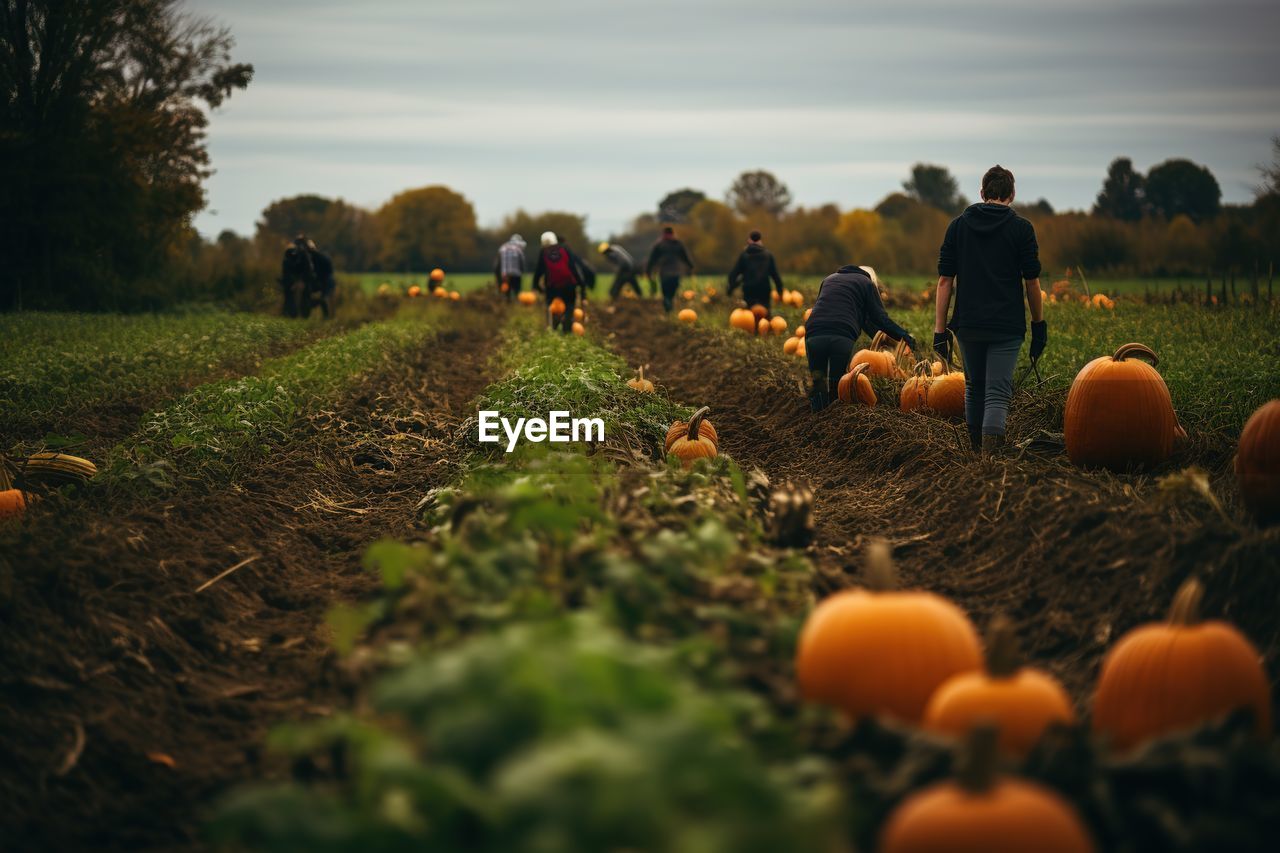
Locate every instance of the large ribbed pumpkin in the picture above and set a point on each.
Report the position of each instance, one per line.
(1258, 462)
(982, 812)
(855, 387)
(1020, 701)
(1163, 678)
(1119, 414)
(944, 393)
(693, 444)
(878, 361)
(911, 397)
(882, 651)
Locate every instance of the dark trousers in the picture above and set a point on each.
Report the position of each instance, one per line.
(565, 320)
(763, 297)
(829, 357)
(670, 285)
(622, 279)
(988, 385)
(513, 286)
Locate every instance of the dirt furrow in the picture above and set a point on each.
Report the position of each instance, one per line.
(137, 684)
(1074, 557)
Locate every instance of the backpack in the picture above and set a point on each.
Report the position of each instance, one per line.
(559, 269)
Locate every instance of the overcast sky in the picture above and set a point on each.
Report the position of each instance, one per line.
(602, 107)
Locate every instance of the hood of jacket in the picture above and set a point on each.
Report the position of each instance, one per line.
(754, 249)
(986, 218)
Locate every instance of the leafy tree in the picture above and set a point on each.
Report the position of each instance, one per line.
(807, 241)
(571, 228)
(1181, 187)
(759, 192)
(344, 231)
(1042, 207)
(1122, 195)
(862, 234)
(897, 206)
(103, 105)
(714, 236)
(426, 228)
(676, 205)
(935, 186)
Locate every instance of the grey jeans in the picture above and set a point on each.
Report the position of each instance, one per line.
(988, 386)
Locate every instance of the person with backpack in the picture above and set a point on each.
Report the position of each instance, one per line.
(848, 304)
(670, 258)
(625, 267)
(558, 268)
(990, 259)
(754, 269)
(508, 268)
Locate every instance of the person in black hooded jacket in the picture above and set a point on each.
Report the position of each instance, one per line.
(848, 304)
(990, 258)
(755, 268)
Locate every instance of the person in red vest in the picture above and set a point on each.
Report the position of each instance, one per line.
(558, 268)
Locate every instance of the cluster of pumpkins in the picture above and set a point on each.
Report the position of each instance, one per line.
(756, 321)
(557, 309)
(436, 288)
(915, 656)
(707, 295)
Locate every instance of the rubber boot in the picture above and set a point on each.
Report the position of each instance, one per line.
(975, 439)
(992, 445)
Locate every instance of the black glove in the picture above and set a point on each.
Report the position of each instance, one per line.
(942, 345)
(1039, 337)
(911, 342)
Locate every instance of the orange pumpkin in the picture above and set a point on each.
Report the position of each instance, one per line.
(763, 328)
(527, 297)
(1258, 462)
(799, 331)
(693, 445)
(688, 295)
(504, 287)
(1021, 702)
(742, 318)
(437, 274)
(807, 312)
(455, 295)
(640, 383)
(880, 363)
(440, 293)
(1119, 413)
(855, 387)
(982, 812)
(414, 291)
(680, 429)
(687, 315)
(579, 314)
(911, 397)
(13, 503)
(578, 329)
(759, 312)
(1163, 678)
(778, 325)
(791, 345)
(883, 651)
(801, 352)
(944, 394)
(557, 307)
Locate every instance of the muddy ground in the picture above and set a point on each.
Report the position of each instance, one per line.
(1075, 558)
(131, 696)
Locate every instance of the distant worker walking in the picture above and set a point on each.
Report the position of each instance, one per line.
(754, 269)
(306, 279)
(990, 258)
(672, 260)
(558, 268)
(508, 268)
(848, 304)
(625, 266)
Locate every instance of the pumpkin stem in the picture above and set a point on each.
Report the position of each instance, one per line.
(1127, 350)
(1003, 655)
(878, 341)
(695, 422)
(640, 372)
(1186, 604)
(879, 571)
(976, 768)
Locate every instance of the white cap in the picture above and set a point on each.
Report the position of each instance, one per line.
(549, 238)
